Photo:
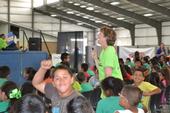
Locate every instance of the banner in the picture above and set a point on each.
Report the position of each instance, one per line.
(126, 52)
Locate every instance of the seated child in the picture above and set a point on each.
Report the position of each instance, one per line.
(9, 94)
(85, 86)
(4, 72)
(111, 87)
(130, 97)
(79, 105)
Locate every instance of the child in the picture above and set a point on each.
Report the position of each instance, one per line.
(129, 98)
(85, 86)
(147, 88)
(84, 69)
(111, 87)
(79, 105)
(9, 94)
(4, 72)
(30, 103)
(60, 92)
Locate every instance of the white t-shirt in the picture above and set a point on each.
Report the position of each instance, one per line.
(128, 111)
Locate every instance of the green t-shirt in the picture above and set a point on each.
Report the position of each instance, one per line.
(76, 86)
(86, 87)
(90, 72)
(109, 105)
(4, 106)
(108, 58)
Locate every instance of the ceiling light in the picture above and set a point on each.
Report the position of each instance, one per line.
(106, 14)
(53, 15)
(78, 14)
(79, 23)
(90, 8)
(148, 14)
(70, 12)
(96, 11)
(85, 17)
(115, 3)
(83, 6)
(92, 19)
(120, 18)
(70, 2)
(98, 21)
(76, 4)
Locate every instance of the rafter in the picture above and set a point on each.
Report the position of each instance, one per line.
(64, 19)
(152, 6)
(98, 15)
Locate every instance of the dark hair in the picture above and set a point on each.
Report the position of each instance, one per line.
(166, 73)
(64, 56)
(146, 59)
(132, 93)
(8, 88)
(31, 72)
(30, 103)
(128, 59)
(84, 66)
(114, 85)
(4, 71)
(154, 79)
(62, 67)
(81, 77)
(109, 34)
(79, 105)
(142, 70)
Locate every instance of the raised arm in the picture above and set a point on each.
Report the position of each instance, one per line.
(39, 76)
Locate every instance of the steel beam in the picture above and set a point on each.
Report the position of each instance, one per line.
(62, 13)
(146, 20)
(152, 6)
(98, 15)
(64, 19)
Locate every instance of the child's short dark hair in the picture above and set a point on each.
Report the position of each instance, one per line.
(4, 71)
(30, 103)
(132, 93)
(64, 56)
(81, 77)
(62, 67)
(115, 85)
(79, 105)
(31, 72)
(84, 66)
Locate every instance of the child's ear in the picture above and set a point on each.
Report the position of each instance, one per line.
(72, 79)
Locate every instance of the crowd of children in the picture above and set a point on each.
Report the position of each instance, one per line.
(145, 88)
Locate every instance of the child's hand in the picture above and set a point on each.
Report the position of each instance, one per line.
(94, 54)
(146, 93)
(46, 64)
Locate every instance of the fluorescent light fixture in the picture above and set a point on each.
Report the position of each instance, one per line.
(53, 15)
(76, 4)
(121, 18)
(70, 12)
(98, 21)
(78, 14)
(86, 17)
(79, 23)
(83, 6)
(90, 8)
(106, 14)
(148, 14)
(115, 3)
(96, 11)
(70, 2)
(92, 19)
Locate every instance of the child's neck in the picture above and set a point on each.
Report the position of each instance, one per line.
(137, 83)
(134, 109)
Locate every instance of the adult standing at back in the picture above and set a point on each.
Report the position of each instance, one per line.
(161, 50)
(107, 64)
